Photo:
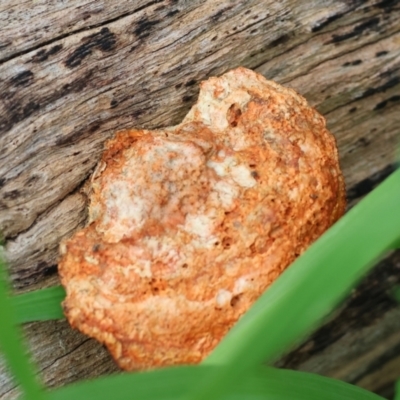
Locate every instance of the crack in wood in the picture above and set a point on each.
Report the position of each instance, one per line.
(368, 184)
(358, 30)
(68, 353)
(369, 92)
(376, 364)
(77, 31)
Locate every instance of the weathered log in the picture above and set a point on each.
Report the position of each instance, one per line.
(71, 73)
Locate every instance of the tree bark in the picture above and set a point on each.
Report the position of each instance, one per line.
(72, 73)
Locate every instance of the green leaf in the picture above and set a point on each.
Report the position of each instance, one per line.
(11, 344)
(397, 394)
(172, 383)
(39, 305)
(307, 291)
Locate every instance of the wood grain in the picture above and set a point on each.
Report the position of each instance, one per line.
(72, 73)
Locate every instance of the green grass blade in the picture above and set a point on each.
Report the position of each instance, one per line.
(272, 383)
(172, 383)
(11, 344)
(397, 394)
(305, 293)
(39, 305)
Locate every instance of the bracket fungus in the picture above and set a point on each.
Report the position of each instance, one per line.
(188, 225)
